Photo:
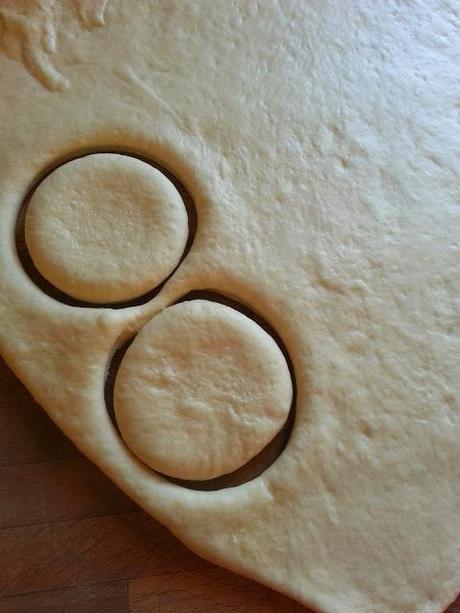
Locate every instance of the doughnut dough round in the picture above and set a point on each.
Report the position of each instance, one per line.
(318, 141)
(106, 227)
(201, 391)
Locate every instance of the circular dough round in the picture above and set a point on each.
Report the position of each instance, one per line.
(201, 390)
(106, 228)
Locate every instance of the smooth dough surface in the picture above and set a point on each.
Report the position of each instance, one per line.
(106, 227)
(201, 391)
(319, 141)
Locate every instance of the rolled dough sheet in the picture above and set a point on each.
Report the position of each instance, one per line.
(319, 141)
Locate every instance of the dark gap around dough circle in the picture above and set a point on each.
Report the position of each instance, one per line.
(52, 291)
(110, 377)
(265, 458)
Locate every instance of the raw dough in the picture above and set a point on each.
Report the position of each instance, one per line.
(201, 391)
(319, 141)
(106, 227)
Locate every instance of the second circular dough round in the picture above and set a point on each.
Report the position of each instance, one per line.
(201, 391)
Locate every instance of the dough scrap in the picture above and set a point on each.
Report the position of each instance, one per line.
(201, 391)
(318, 141)
(106, 228)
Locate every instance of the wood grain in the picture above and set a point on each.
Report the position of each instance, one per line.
(109, 597)
(71, 488)
(26, 433)
(71, 542)
(206, 590)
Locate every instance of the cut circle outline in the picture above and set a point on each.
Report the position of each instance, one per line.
(51, 290)
(261, 462)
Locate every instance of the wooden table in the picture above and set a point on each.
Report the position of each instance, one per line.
(71, 542)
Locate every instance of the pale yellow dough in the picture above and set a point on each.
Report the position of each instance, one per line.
(201, 391)
(106, 227)
(319, 141)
